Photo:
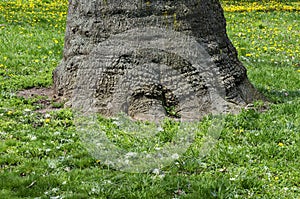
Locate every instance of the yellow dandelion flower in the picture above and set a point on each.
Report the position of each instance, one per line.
(280, 144)
(47, 120)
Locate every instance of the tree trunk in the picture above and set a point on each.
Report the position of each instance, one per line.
(151, 59)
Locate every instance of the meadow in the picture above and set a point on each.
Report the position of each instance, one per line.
(257, 154)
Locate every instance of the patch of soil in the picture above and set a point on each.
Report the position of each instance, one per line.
(34, 92)
(47, 98)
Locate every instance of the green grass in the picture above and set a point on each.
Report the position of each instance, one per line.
(43, 156)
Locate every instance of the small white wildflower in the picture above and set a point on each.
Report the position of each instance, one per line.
(33, 138)
(160, 129)
(55, 197)
(130, 155)
(159, 155)
(126, 162)
(148, 156)
(48, 150)
(156, 171)
(56, 133)
(175, 156)
(161, 176)
(55, 190)
(107, 182)
(52, 165)
(116, 123)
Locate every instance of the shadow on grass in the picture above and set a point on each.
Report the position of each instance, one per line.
(280, 96)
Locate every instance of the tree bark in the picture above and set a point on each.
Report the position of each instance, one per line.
(151, 59)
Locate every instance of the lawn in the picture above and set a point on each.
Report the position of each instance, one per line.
(256, 155)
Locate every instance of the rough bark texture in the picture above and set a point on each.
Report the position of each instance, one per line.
(150, 59)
